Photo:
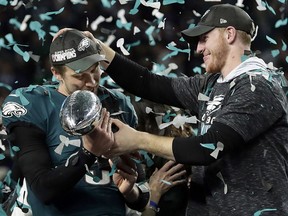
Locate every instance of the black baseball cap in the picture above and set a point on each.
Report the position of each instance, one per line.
(75, 50)
(221, 15)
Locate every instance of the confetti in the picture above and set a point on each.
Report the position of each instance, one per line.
(258, 213)
(166, 182)
(220, 147)
(120, 44)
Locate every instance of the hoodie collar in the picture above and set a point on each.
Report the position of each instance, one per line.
(251, 64)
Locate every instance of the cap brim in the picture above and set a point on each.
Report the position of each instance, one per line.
(192, 33)
(86, 62)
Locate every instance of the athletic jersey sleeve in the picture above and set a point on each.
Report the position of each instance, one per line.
(219, 140)
(141, 82)
(46, 181)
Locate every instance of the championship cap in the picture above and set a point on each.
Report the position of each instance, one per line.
(75, 50)
(221, 15)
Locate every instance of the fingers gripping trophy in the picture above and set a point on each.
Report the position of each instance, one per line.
(81, 114)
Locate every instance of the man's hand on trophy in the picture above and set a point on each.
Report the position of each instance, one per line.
(81, 114)
(101, 138)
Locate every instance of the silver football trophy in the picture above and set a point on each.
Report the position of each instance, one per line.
(79, 111)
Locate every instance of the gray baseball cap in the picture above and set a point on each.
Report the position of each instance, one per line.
(221, 16)
(75, 50)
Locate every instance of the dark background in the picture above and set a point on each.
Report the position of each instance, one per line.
(16, 72)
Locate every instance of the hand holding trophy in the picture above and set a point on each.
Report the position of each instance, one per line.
(82, 114)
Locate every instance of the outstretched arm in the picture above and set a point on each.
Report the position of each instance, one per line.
(187, 150)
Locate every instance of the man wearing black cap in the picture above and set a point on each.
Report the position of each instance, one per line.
(242, 144)
(64, 173)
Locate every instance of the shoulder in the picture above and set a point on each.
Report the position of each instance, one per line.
(104, 93)
(26, 104)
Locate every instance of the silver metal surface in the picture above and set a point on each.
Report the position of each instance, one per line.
(79, 111)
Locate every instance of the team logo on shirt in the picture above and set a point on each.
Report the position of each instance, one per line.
(13, 109)
(212, 106)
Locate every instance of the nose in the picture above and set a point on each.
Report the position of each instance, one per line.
(90, 80)
(200, 48)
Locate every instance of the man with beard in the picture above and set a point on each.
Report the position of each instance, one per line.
(240, 154)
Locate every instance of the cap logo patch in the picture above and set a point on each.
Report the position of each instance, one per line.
(63, 55)
(222, 21)
(84, 44)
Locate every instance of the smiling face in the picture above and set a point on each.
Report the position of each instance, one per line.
(214, 49)
(71, 81)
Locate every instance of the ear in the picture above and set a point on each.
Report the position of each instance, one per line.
(56, 74)
(231, 33)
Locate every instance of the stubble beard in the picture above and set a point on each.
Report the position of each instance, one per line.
(219, 56)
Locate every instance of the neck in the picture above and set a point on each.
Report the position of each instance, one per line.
(234, 59)
(62, 90)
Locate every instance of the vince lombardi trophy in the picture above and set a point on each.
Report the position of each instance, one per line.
(79, 111)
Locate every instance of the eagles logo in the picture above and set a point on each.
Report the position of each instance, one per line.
(12, 108)
(84, 44)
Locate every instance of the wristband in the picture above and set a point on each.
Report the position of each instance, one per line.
(154, 206)
(89, 154)
(143, 199)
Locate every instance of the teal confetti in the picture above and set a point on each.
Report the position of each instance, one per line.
(149, 32)
(281, 23)
(15, 148)
(135, 44)
(175, 51)
(275, 53)
(54, 79)
(23, 100)
(30, 88)
(286, 59)
(53, 30)
(271, 40)
(135, 10)
(270, 8)
(167, 2)
(120, 25)
(284, 46)
(147, 158)
(46, 16)
(106, 3)
(10, 39)
(258, 213)
(208, 145)
(24, 54)
(282, 1)
(244, 58)
(15, 22)
(166, 118)
(2, 156)
(2, 44)
(6, 86)
(197, 70)
(36, 26)
(113, 170)
(3, 2)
